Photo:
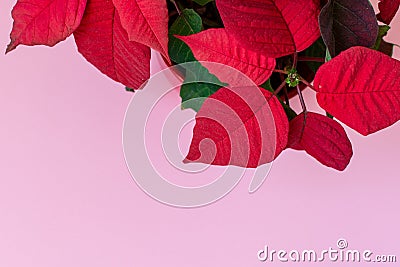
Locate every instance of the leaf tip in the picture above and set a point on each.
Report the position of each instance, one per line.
(343, 167)
(180, 37)
(10, 47)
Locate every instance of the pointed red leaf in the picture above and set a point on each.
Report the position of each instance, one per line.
(322, 138)
(216, 45)
(388, 9)
(104, 43)
(361, 88)
(146, 22)
(242, 126)
(44, 22)
(274, 28)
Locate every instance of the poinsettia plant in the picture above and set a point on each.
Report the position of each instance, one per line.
(335, 47)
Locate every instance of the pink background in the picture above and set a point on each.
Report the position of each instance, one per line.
(67, 199)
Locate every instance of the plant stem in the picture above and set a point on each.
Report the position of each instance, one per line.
(281, 71)
(176, 6)
(283, 85)
(312, 59)
(285, 91)
(307, 83)
(295, 58)
(172, 13)
(303, 104)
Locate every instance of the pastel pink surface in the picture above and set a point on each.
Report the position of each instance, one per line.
(67, 198)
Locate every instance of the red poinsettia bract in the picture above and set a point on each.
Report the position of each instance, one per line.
(114, 36)
(280, 45)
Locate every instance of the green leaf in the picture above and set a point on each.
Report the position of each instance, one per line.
(327, 56)
(202, 2)
(380, 44)
(193, 92)
(129, 89)
(189, 22)
(267, 86)
(383, 30)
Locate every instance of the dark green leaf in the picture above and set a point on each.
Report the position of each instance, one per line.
(383, 31)
(189, 22)
(267, 86)
(202, 2)
(199, 84)
(380, 44)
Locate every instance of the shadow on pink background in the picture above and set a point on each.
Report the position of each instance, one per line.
(67, 199)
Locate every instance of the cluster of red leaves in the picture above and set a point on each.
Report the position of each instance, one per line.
(359, 86)
(114, 35)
